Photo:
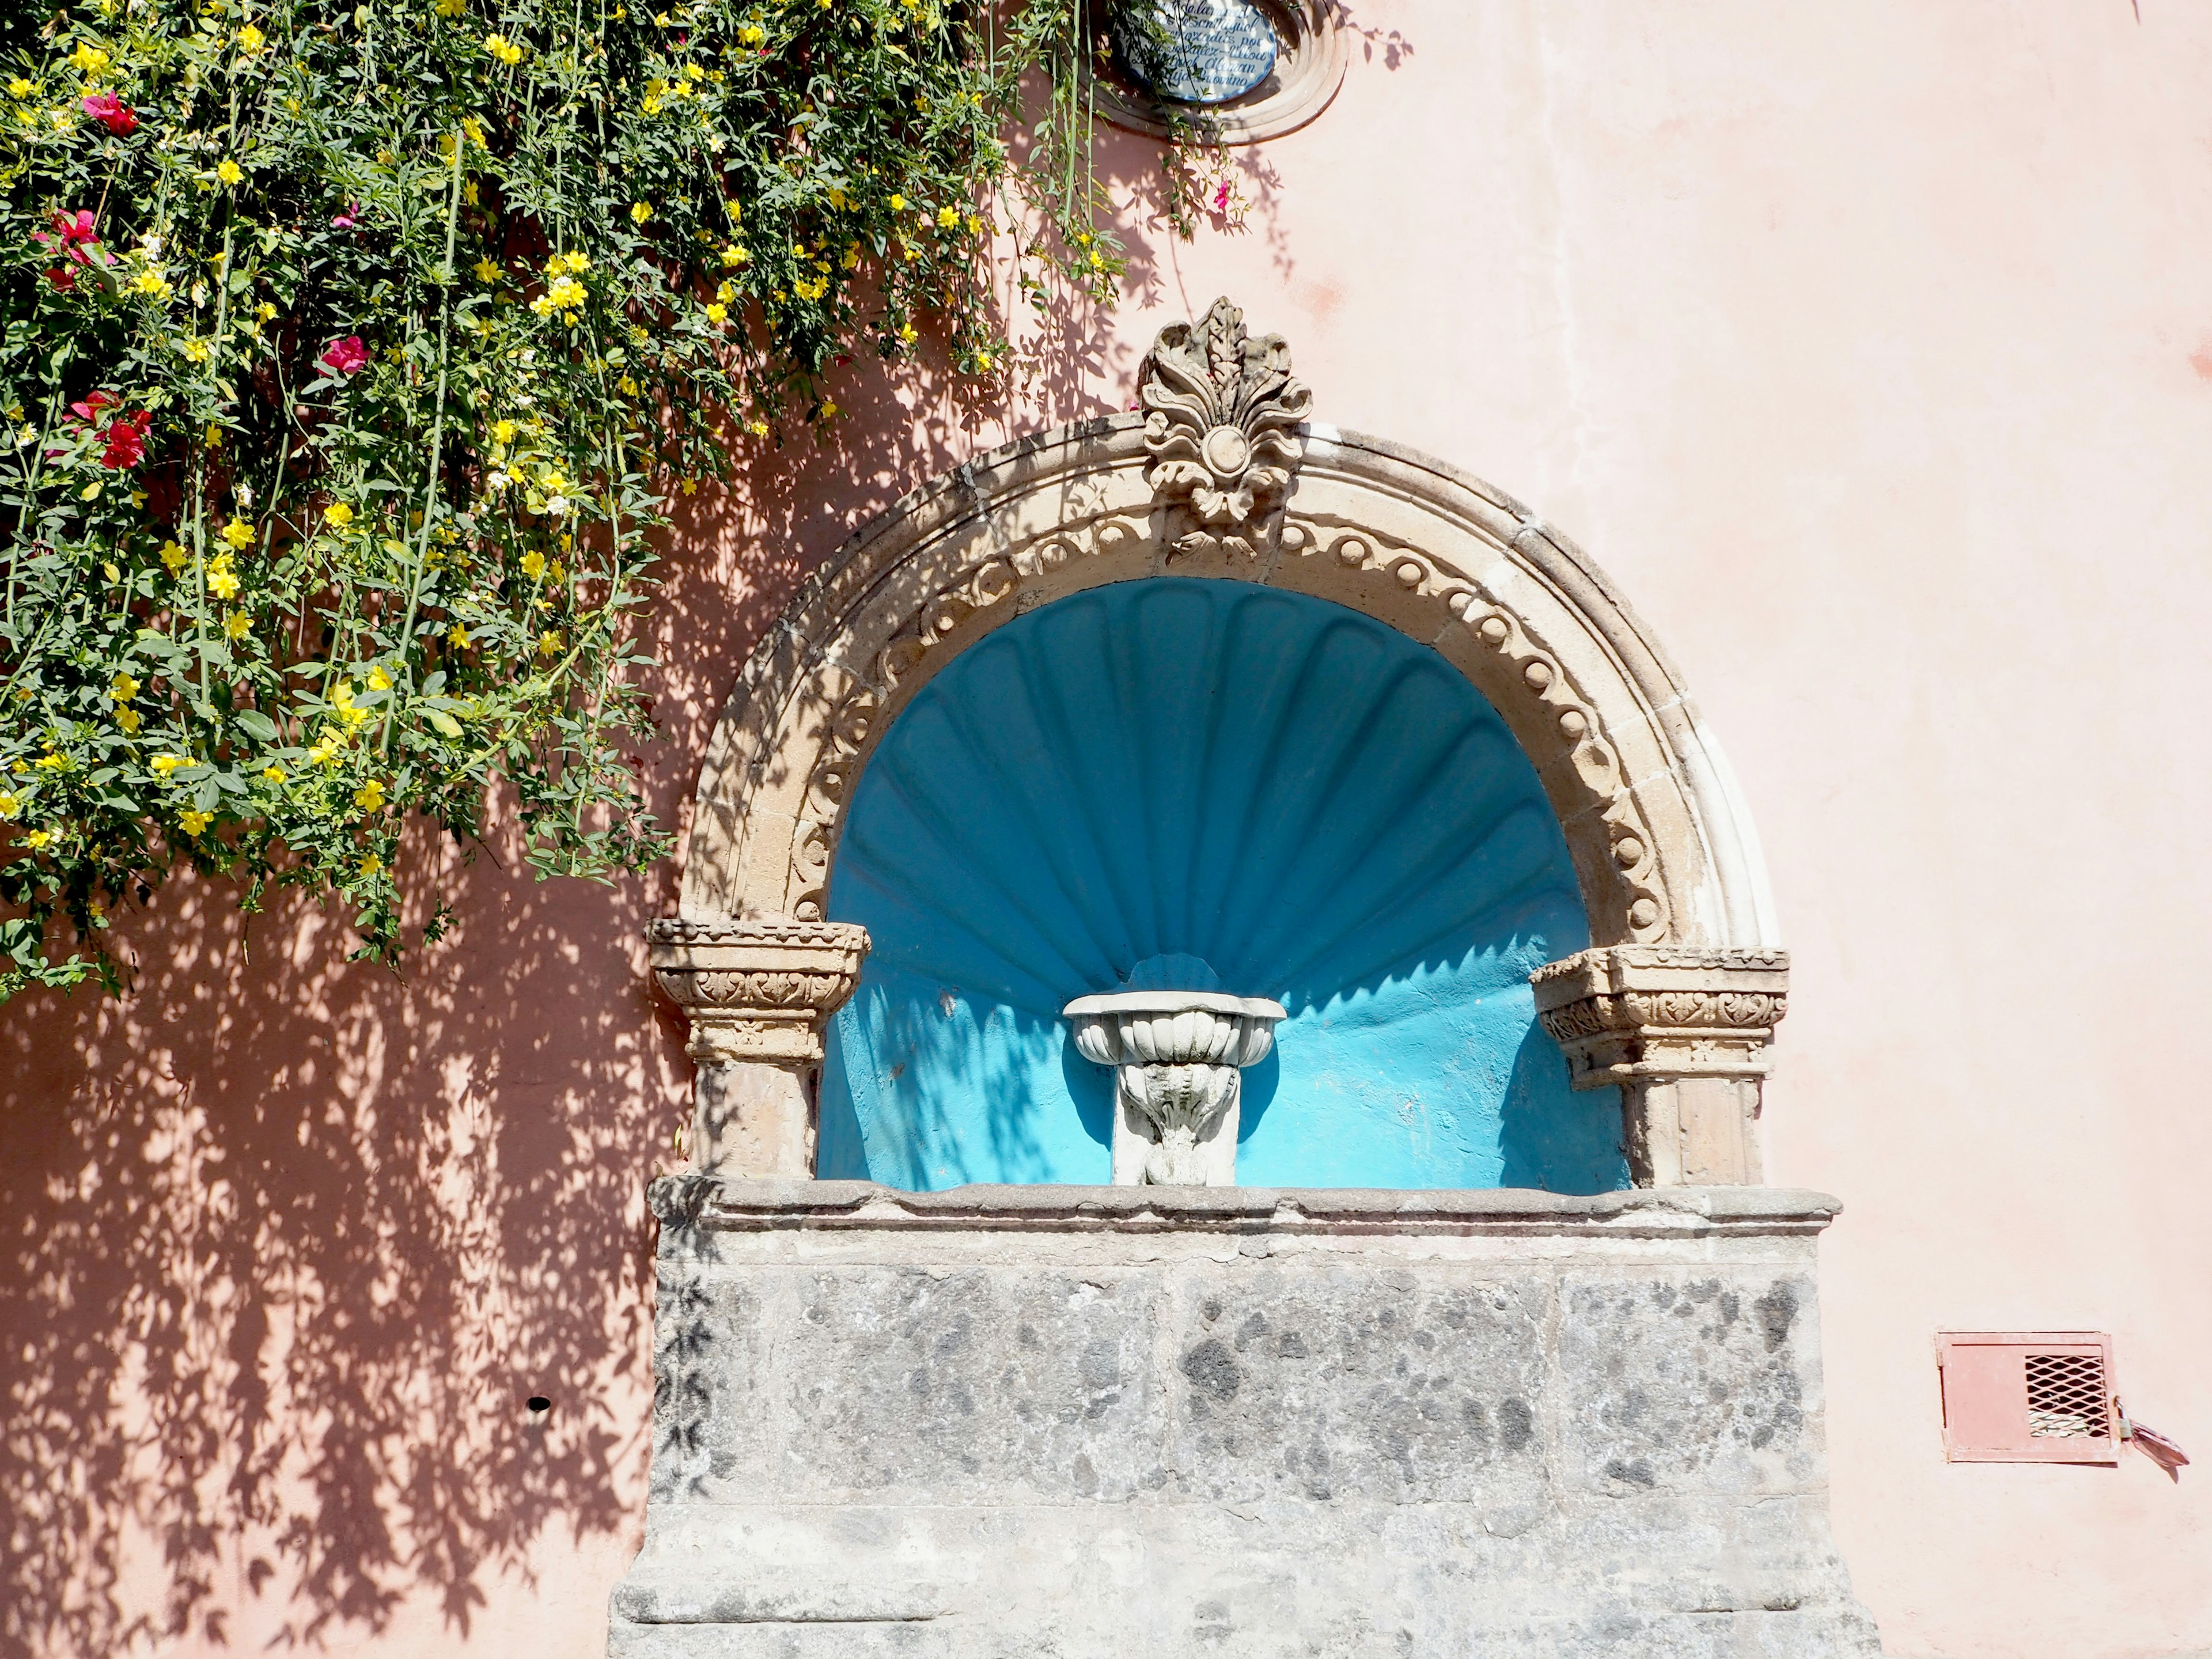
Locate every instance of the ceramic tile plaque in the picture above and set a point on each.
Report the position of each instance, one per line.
(1195, 51)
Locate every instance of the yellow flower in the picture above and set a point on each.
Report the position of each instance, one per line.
(250, 38)
(716, 311)
(378, 679)
(549, 642)
(325, 753)
(237, 625)
(10, 804)
(690, 486)
(948, 216)
(693, 72)
(264, 311)
(337, 515)
(88, 58)
(983, 361)
(228, 171)
(906, 332)
(369, 797)
(273, 772)
(123, 688)
(223, 580)
(458, 637)
(150, 281)
(213, 436)
(165, 764)
(752, 35)
(51, 762)
(837, 198)
(577, 261)
(194, 822)
(974, 225)
(128, 719)
(533, 564)
(487, 271)
(898, 202)
(371, 864)
(471, 193)
(629, 387)
(502, 49)
(19, 87)
(502, 432)
(174, 556)
(474, 128)
(195, 350)
(37, 839)
(736, 254)
(726, 292)
(829, 409)
(758, 429)
(239, 534)
(450, 8)
(640, 212)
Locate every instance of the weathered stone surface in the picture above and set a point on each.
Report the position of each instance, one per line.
(1005, 1384)
(1708, 1381)
(1327, 1381)
(1023, 1422)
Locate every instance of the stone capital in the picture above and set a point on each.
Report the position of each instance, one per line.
(1684, 1033)
(756, 988)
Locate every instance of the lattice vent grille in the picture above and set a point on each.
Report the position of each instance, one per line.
(2066, 1396)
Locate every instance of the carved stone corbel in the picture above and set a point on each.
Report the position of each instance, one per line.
(757, 991)
(1684, 1032)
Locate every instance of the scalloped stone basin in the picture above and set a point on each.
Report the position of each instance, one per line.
(1179, 1057)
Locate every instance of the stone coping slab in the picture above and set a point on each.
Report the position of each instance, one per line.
(732, 1206)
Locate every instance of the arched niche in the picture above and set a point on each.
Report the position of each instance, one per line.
(1222, 476)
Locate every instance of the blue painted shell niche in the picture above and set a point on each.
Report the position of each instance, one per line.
(1278, 796)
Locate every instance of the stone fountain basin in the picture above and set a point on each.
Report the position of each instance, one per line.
(1173, 1027)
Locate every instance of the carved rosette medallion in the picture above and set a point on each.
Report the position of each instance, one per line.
(1221, 413)
(757, 989)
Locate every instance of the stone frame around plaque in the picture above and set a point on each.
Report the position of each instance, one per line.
(1310, 66)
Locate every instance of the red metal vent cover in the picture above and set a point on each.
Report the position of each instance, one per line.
(2028, 1396)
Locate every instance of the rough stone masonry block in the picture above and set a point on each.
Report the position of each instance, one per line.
(1085, 1423)
(1697, 1381)
(969, 1383)
(1328, 1381)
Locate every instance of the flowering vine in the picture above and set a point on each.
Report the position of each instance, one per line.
(351, 356)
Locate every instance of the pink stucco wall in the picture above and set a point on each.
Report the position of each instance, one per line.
(1868, 347)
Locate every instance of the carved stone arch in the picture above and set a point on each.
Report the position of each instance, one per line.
(1221, 477)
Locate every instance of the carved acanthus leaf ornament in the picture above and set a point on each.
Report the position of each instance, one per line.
(1221, 413)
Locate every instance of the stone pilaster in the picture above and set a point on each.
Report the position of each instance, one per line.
(757, 991)
(1685, 1034)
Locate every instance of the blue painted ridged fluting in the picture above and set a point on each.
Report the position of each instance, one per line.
(1322, 811)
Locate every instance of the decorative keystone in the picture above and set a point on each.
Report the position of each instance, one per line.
(1685, 1034)
(1179, 1088)
(758, 990)
(1221, 411)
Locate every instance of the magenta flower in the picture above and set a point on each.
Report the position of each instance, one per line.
(62, 277)
(117, 115)
(1221, 197)
(346, 356)
(345, 221)
(75, 227)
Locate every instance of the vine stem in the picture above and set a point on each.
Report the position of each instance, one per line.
(437, 428)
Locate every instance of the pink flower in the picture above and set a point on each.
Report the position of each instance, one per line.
(1221, 197)
(62, 277)
(117, 116)
(126, 442)
(344, 221)
(346, 356)
(75, 227)
(90, 408)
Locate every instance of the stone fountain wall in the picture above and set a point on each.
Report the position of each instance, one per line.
(1006, 1422)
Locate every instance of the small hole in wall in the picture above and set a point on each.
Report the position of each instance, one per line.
(539, 1405)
